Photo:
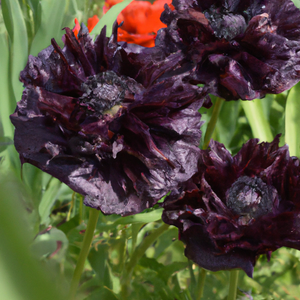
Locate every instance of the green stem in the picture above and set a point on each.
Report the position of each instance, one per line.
(259, 124)
(193, 283)
(292, 121)
(233, 281)
(71, 206)
(135, 257)
(212, 122)
(80, 209)
(135, 228)
(88, 236)
(200, 283)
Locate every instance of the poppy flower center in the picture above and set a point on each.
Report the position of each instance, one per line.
(251, 197)
(103, 91)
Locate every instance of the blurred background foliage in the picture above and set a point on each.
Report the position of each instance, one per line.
(42, 222)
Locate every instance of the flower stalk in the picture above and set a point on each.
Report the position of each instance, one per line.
(233, 281)
(259, 124)
(292, 121)
(200, 284)
(88, 237)
(212, 122)
(135, 257)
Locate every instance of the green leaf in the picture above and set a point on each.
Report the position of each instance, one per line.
(167, 271)
(33, 177)
(227, 121)
(75, 235)
(25, 275)
(292, 121)
(4, 142)
(53, 243)
(7, 101)
(48, 199)
(16, 28)
(175, 252)
(97, 258)
(277, 116)
(165, 240)
(257, 120)
(51, 18)
(148, 217)
(109, 18)
(71, 12)
(102, 293)
(297, 3)
(71, 224)
(180, 294)
(151, 263)
(161, 290)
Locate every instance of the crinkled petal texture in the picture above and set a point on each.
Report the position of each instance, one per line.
(95, 116)
(242, 49)
(237, 208)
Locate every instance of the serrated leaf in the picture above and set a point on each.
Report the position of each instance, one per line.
(75, 236)
(165, 240)
(161, 289)
(97, 258)
(109, 18)
(167, 271)
(150, 263)
(69, 225)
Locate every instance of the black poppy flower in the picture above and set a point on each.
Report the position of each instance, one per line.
(95, 116)
(243, 49)
(237, 208)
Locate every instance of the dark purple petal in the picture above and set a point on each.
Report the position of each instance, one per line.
(241, 49)
(109, 122)
(237, 208)
(202, 251)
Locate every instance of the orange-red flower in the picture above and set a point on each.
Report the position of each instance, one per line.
(76, 27)
(91, 23)
(141, 21)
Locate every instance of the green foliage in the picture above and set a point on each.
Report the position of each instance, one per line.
(292, 121)
(108, 19)
(42, 223)
(7, 99)
(46, 15)
(16, 28)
